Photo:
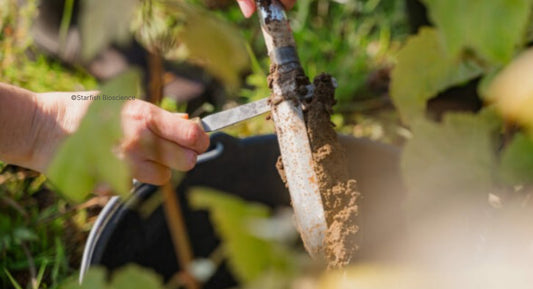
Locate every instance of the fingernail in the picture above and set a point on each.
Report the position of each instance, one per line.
(247, 7)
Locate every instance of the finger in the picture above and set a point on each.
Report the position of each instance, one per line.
(175, 128)
(150, 172)
(172, 155)
(247, 7)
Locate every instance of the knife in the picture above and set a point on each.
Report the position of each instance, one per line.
(240, 113)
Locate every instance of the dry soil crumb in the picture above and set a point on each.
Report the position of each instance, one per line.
(339, 194)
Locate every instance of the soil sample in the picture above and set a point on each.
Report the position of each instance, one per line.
(339, 194)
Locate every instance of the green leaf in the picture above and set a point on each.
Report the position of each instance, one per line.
(213, 43)
(135, 277)
(493, 28)
(516, 166)
(454, 159)
(128, 277)
(249, 256)
(103, 22)
(86, 158)
(424, 69)
(14, 282)
(22, 234)
(93, 279)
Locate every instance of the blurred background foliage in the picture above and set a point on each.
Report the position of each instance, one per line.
(483, 150)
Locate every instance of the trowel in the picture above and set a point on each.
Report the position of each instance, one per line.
(285, 105)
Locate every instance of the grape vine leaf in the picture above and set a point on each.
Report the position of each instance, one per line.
(453, 158)
(128, 277)
(216, 44)
(249, 256)
(493, 28)
(86, 158)
(103, 22)
(423, 69)
(511, 90)
(184, 31)
(516, 166)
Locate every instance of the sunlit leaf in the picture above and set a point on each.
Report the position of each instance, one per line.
(86, 159)
(453, 159)
(423, 69)
(511, 90)
(249, 256)
(493, 28)
(213, 43)
(104, 22)
(517, 161)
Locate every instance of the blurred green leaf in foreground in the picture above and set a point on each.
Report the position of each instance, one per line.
(249, 256)
(86, 159)
(128, 277)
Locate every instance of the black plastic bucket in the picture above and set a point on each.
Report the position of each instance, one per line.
(244, 168)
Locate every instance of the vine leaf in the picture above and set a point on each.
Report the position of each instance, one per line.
(454, 158)
(183, 31)
(128, 277)
(423, 69)
(493, 28)
(511, 90)
(516, 165)
(86, 158)
(249, 256)
(215, 44)
(101, 25)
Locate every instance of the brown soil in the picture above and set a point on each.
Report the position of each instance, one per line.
(339, 194)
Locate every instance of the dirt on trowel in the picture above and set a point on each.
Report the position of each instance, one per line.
(338, 190)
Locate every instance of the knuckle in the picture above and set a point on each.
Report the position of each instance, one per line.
(138, 110)
(191, 135)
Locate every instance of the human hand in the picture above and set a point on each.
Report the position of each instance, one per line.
(156, 141)
(248, 6)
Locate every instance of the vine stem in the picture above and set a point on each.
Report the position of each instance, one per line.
(171, 204)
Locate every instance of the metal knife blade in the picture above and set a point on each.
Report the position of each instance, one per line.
(237, 114)
(234, 115)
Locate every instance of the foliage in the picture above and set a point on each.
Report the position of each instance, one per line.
(94, 144)
(411, 89)
(33, 225)
(347, 39)
(128, 277)
(435, 149)
(100, 24)
(249, 256)
(468, 41)
(493, 29)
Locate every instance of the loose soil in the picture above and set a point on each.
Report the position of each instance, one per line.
(339, 193)
(338, 190)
